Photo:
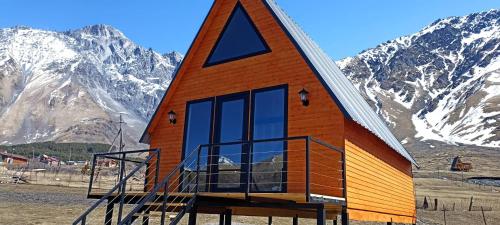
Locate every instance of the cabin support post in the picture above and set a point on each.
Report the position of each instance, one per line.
(321, 215)
(192, 215)
(145, 217)
(270, 220)
(228, 217)
(109, 213)
(345, 217)
(221, 219)
(296, 220)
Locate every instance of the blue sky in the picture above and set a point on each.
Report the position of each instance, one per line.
(342, 27)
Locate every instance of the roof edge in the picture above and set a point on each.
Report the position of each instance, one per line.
(146, 137)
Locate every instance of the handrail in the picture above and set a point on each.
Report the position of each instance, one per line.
(109, 193)
(326, 144)
(128, 152)
(157, 187)
(177, 170)
(123, 159)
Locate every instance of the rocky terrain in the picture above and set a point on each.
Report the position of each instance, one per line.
(442, 83)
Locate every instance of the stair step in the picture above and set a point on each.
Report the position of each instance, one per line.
(170, 206)
(156, 215)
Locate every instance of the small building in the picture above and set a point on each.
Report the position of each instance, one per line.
(50, 160)
(259, 121)
(13, 159)
(458, 165)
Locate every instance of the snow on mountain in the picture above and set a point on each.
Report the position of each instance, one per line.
(442, 83)
(70, 86)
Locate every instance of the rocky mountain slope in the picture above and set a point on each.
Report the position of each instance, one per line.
(71, 86)
(442, 83)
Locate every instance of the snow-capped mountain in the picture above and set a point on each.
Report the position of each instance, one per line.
(442, 83)
(71, 86)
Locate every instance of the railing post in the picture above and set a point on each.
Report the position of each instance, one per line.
(164, 204)
(91, 181)
(157, 173)
(122, 189)
(198, 169)
(249, 169)
(122, 167)
(308, 186)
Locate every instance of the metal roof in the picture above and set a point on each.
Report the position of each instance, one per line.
(341, 89)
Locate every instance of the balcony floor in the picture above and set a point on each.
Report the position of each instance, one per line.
(258, 204)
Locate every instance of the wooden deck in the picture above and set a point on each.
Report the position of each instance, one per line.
(258, 204)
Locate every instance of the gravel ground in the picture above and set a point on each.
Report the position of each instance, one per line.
(50, 195)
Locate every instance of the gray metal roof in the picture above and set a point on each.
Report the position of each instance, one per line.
(342, 90)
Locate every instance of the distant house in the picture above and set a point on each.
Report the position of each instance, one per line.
(458, 165)
(107, 163)
(13, 159)
(50, 160)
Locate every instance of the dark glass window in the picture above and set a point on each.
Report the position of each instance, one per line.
(269, 108)
(239, 39)
(198, 132)
(199, 122)
(232, 129)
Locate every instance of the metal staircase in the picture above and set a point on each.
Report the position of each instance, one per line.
(169, 198)
(172, 197)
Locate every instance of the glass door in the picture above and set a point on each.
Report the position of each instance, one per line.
(228, 164)
(269, 121)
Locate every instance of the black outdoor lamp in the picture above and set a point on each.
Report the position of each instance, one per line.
(304, 97)
(172, 117)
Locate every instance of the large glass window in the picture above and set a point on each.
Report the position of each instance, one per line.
(269, 108)
(198, 132)
(239, 39)
(232, 127)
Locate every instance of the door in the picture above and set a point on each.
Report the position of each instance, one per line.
(228, 161)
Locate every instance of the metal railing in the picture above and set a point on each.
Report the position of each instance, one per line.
(300, 164)
(118, 194)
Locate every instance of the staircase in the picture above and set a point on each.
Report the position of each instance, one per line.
(161, 202)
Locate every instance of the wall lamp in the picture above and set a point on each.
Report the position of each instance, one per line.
(172, 117)
(304, 97)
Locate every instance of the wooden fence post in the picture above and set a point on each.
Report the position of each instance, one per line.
(484, 218)
(444, 214)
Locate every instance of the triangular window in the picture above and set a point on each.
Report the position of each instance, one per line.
(239, 39)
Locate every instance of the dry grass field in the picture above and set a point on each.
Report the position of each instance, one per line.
(28, 204)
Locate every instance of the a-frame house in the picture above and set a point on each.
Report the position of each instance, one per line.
(259, 121)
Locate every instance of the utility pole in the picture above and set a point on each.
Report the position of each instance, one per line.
(121, 133)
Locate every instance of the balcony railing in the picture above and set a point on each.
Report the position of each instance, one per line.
(293, 165)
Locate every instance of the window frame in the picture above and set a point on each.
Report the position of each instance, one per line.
(259, 35)
(285, 131)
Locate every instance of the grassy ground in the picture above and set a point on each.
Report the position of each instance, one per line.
(41, 204)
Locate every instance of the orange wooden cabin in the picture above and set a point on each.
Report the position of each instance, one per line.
(13, 159)
(259, 121)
